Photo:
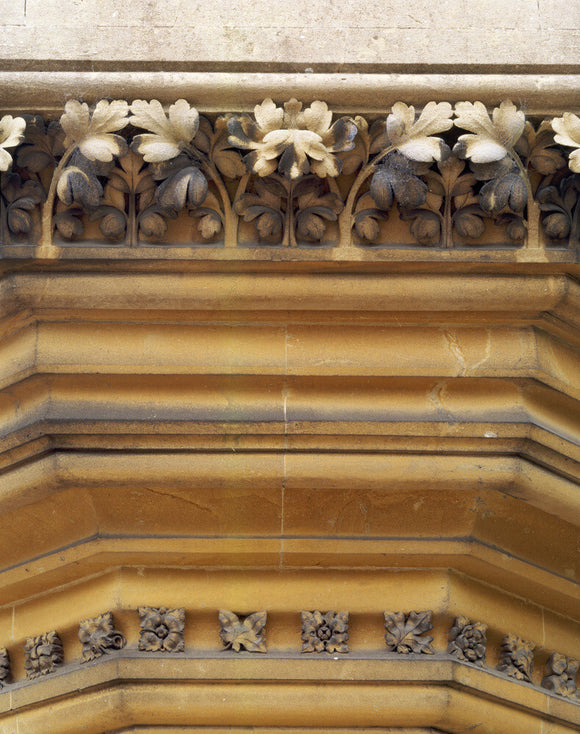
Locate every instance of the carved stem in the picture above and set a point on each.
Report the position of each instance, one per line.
(447, 221)
(289, 239)
(47, 209)
(239, 191)
(533, 209)
(230, 218)
(4, 234)
(346, 218)
(574, 242)
(132, 224)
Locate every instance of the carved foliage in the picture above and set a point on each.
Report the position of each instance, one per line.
(560, 675)
(5, 673)
(516, 658)
(325, 632)
(567, 128)
(405, 632)
(467, 641)
(161, 629)
(246, 633)
(99, 636)
(11, 133)
(42, 654)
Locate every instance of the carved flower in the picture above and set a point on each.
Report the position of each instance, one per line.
(467, 640)
(93, 134)
(169, 134)
(493, 138)
(516, 657)
(414, 138)
(11, 133)
(5, 674)
(98, 636)
(560, 675)
(292, 140)
(567, 128)
(161, 629)
(324, 632)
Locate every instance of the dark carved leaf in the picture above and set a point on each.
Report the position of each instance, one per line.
(507, 191)
(557, 225)
(68, 225)
(535, 147)
(516, 229)
(468, 223)
(310, 225)
(152, 224)
(228, 161)
(74, 185)
(41, 146)
(19, 220)
(113, 222)
(426, 227)
(209, 226)
(366, 223)
(382, 189)
(269, 225)
(187, 186)
(485, 171)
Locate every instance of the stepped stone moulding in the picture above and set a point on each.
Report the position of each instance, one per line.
(405, 632)
(325, 631)
(560, 676)
(99, 636)
(467, 641)
(161, 629)
(248, 633)
(43, 654)
(306, 182)
(517, 658)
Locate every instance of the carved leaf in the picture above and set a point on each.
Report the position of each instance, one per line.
(93, 134)
(359, 154)
(536, 148)
(168, 134)
(228, 161)
(469, 222)
(69, 224)
(42, 144)
(414, 139)
(113, 222)
(506, 191)
(367, 218)
(492, 138)
(397, 177)
(186, 187)
(567, 128)
(404, 632)
(11, 133)
(152, 224)
(247, 633)
(76, 185)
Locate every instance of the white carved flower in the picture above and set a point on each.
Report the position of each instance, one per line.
(168, 134)
(93, 134)
(493, 138)
(567, 130)
(11, 133)
(292, 140)
(414, 139)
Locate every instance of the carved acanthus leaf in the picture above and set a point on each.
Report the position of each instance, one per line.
(247, 633)
(493, 138)
(43, 654)
(414, 138)
(567, 128)
(11, 133)
(169, 134)
(405, 632)
(516, 658)
(94, 134)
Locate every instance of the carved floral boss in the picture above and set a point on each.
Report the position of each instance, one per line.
(289, 172)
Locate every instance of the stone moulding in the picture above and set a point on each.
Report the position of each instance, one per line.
(291, 179)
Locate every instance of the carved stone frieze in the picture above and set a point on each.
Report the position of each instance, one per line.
(43, 654)
(516, 658)
(467, 641)
(560, 675)
(289, 176)
(325, 631)
(161, 629)
(405, 632)
(5, 671)
(98, 636)
(248, 633)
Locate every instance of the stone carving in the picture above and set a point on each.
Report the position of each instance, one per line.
(43, 654)
(560, 675)
(161, 629)
(567, 130)
(99, 636)
(324, 632)
(516, 658)
(247, 633)
(289, 176)
(11, 133)
(405, 632)
(467, 641)
(5, 673)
